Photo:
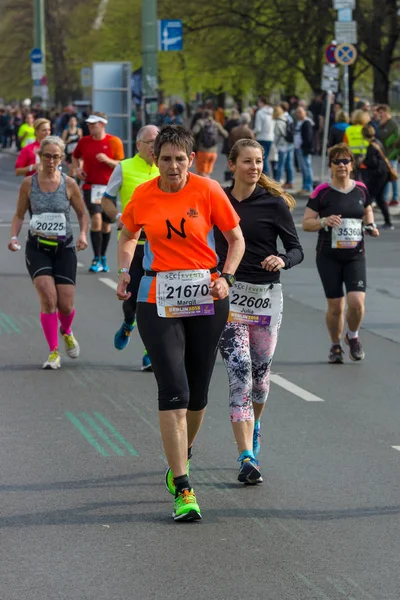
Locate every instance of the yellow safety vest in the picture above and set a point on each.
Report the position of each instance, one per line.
(355, 139)
(134, 172)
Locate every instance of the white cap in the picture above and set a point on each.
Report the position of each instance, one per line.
(96, 119)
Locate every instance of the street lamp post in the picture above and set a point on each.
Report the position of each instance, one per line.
(39, 35)
(149, 55)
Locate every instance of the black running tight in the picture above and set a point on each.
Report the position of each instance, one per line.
(182, 353)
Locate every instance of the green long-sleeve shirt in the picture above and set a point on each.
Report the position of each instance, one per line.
(389, 135)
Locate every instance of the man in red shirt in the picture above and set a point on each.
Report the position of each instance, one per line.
(94, 159)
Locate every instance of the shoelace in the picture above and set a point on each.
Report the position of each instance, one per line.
(69, 338)
(187, 497)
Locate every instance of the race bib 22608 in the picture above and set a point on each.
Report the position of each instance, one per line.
(254, 304)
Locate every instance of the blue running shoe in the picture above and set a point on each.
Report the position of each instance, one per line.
(146, 362)
(96, 266)
(104, 264)
(249, 472)
(123, 336)
(256, 438)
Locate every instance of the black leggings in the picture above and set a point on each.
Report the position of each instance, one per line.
(182, 353)
(136, 274)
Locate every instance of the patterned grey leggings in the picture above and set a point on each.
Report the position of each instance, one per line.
(247, 351)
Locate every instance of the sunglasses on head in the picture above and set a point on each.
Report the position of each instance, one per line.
(341, 161)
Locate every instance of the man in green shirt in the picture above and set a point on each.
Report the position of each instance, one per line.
(127, 175)
(26, 132)
(388, 133)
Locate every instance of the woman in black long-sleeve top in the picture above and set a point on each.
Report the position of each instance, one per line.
(248, 342)
(376, 173)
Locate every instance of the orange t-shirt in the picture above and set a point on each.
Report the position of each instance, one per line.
(98, 173)
(178, 226)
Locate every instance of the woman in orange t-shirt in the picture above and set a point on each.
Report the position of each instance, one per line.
(183, 301)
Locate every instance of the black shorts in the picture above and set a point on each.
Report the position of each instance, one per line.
(95, 209)
(60, 263)
(334, 272)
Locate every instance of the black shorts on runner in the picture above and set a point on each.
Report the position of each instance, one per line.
(60, 263)
(334, 272)
(94, 209)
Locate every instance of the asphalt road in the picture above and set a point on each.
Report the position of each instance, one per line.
(84, 514)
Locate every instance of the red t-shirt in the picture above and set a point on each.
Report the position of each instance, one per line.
(98, 173)
(179, 226)
(27, 156)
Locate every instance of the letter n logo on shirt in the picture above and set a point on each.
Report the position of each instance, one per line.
(171, 228)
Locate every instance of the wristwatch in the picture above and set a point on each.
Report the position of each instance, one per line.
(230, 279)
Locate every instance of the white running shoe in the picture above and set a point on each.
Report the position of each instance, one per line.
(53, 362)
(71, 345)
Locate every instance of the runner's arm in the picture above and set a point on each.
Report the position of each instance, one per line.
(77, 204)
(126, 247)
(22, 207)
(311, 220)
(109, 199)
(236, 248)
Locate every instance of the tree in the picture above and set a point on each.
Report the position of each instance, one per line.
(378, 26)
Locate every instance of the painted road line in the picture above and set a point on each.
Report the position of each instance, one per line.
(80, 264)
(110, 282)
(102, 434)
(116, 434)
(86, 434)
(396, 448)
(10, 322)
(295, 389)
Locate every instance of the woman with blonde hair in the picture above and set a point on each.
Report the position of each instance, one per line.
(249, 339)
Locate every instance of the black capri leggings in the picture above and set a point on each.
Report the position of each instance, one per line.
(182, 353)
(136, 274)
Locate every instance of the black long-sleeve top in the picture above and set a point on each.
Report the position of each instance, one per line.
(263, 218)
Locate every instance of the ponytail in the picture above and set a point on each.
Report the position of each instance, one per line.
(275, 189)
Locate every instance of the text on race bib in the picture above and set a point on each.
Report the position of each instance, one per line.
(49, 225)
(254, 304)
(348, 234)
(184, 294)
(97, 193)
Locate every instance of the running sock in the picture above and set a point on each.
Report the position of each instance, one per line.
(129, 314)
(352, 334)
(50, 329)
(96, 238)
(181, 484)
(190, 453)
(257, 424)
(66, 321)
(247, 454)
(104, 243)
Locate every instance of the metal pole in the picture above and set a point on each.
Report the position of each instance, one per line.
(329, 98)
(39, 33)
(346, 88)
(149, 50)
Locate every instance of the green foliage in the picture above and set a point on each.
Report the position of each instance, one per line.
(237, 46)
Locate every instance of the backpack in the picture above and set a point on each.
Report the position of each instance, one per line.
(289, 136)
(209, 134)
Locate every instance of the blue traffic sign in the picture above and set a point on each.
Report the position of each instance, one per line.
(36, 55)
(346, 54)
(170, 35)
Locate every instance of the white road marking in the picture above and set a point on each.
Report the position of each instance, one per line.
(80, 264)
(295, 389)
(396, 448)
(110, 282)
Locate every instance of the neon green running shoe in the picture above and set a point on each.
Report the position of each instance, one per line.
(186, 507)
(169, 478)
